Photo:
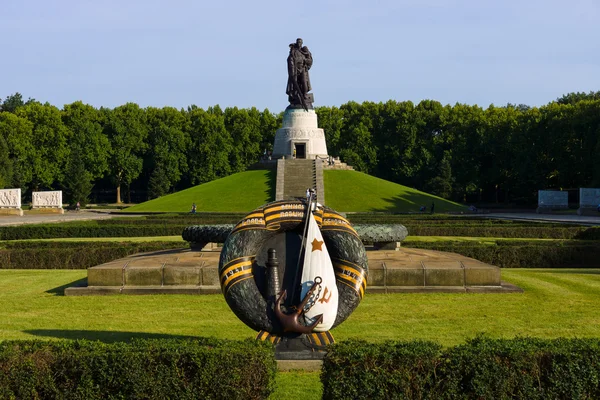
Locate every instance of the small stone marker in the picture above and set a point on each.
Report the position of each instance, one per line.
(589, 200)
(549, 200)
(10, 202)
(48, 201)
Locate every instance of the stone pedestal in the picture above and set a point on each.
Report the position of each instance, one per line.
(300, 131)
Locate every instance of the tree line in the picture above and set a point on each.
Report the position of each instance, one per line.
(461, 152)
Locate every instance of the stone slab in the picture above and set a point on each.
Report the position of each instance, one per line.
(109, 274)
(48, 199)
(182, 274)
(144, 275)
(302, 365)
(400, 273)
(141, 290)
(11, 211)
(589, 197)
(553, 199)
(480, 274)
(408, 270)
(10, 202)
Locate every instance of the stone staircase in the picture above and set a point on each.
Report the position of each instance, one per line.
(295, 176)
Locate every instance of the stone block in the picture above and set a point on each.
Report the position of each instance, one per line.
(395, 246)
(110, 274)
(182, 274)
(404, 274)
(51, 199)
(146, 275)
(444, 273)
(210, 275)
(11, 211)
(376, 274)
(10, 202)
(480, 274)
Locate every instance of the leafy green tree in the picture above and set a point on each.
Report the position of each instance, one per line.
(269, 123)
(12, 102)
(87, 137)
(244, 127)
(575, 97)
(5, 164)
(77, 181)
(442, 181)
(18, 134)
(331, 120)
(168, 140)
(211, 145)
(127, 131)
(49, 140)
(158, 183)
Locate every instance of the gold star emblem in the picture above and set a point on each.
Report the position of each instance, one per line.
(316, 245)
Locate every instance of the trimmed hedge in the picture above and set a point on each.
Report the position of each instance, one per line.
(522, 254)
(52, 231)
(483, 368)
(140, 228)
(538, 232)
(143, 369)
(73, 255)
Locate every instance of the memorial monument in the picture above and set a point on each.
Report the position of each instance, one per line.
(549, 200)
(10, 202)
(50, 201)
(589, 201)
(300, 136)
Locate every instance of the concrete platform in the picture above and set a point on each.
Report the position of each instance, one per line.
(185, 271)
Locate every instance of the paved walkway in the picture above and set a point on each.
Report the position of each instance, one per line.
(6, 220)
(566, 219)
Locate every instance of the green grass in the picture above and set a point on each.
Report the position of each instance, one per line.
(344, 191)
(356, 191)
(556, 303)
(241, 192)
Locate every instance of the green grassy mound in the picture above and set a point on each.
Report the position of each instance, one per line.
(241, 192)
(344, 191)
(356, 191)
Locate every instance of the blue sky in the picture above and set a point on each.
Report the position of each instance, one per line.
(233, 53)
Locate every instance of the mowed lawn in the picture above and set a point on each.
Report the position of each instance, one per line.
(556, 303)
(355, 191)
(241, 192)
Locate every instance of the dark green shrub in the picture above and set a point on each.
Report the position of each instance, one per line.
(483, 368)
(73, 255)
(522, 253)
(51, 231)
(143, 369)
(359, 370)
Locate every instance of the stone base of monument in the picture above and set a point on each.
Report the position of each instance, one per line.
(11, 211)
(196, 272)
(593, 211)
(47, 210)
(300, 132)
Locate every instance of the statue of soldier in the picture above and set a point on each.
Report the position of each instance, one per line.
(299, 62)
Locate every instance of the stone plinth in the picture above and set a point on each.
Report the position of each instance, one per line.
(549, 200)
(196, 272)
(10, 202)
(589, 201)
(300, 130)
(47, 202)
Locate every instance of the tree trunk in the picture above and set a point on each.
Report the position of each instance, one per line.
(118, 194)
